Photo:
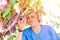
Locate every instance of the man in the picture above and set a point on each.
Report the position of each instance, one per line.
(36, 31)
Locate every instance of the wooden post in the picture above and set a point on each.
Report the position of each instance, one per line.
(0, 36)
(0, 26)
(0, 21)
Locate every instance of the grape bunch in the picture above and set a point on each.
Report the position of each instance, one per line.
(7, 33)
(13, 28)
(21, 17)
(9, 21)
(8, 25)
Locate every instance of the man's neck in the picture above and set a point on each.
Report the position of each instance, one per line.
(36, 28)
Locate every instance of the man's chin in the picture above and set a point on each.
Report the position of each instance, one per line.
(32, 24)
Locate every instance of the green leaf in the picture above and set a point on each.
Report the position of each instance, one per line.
(10, 37)
(36, 4)
(27, 3)
(8, 15)
(12, 2)
(6, 12)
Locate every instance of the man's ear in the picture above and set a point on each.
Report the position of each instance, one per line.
(39, 17)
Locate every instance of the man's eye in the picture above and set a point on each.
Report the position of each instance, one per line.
(32, 16)
(28, 18)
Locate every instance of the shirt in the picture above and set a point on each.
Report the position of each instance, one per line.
(46, 33)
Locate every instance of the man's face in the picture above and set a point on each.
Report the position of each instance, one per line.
(32, 19)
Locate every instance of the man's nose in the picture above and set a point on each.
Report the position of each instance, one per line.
(30, 18)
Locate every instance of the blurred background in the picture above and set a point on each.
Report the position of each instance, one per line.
(49, 9)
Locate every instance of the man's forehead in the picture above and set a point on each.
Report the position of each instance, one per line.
(32, 13)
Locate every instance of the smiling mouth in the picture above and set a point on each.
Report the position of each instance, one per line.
(30, 22)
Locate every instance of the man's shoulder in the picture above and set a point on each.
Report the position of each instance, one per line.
(46, 26)
(27, 30)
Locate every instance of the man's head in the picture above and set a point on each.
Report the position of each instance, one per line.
(33, 18)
